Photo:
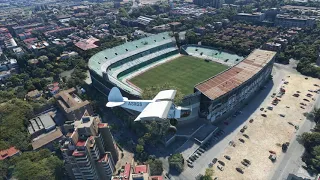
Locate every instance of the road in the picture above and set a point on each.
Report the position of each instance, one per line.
(290, 162)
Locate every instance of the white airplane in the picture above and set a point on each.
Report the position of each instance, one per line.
(159, 108)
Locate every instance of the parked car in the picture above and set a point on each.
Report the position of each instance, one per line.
(303, 104)
(251, 120)
(282, 115)
(270, 108)
(296, 95)
(190, 165)
(240, 170)
(189, 161)
(302, 107)
(227, 157)
(272, 152)
(245, 127)
(222, 163)
(220, 168)
(244, 163)
(201, 150)
(214, 160)
(306, 100)
(241, 140)
(263, 115)
(242, 130)
(246, 136)
(247, 161)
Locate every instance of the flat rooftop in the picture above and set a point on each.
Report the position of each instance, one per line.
(44, 121)
(226, 81)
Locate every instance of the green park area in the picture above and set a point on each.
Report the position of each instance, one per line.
(183, 72)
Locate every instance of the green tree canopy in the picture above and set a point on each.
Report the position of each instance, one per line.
(155, 166)
(38, 165)
(176, 161)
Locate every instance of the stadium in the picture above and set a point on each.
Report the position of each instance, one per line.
(214, 83)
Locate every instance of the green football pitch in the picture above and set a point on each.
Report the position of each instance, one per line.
(183, 72)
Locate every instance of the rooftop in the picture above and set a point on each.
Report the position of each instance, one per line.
(86, 44)
(81, 143)
(226, 81)
(141, 169)
(46, 139)
(44, 121)
(69, 100)
(126, 173)
(6, 153)
(125, 50)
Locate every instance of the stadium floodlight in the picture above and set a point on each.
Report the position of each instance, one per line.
(160, 108)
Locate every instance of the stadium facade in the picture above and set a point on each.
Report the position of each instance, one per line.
(226, 92)
(213, 99)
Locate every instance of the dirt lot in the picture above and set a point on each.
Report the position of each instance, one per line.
(268, 133)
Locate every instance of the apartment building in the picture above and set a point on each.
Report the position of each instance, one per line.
(89, 150)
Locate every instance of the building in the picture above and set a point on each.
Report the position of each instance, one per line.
(71, 105)
(39, 45)
(86, 44)
(53, 88)
(141, 172)
(272, 46)
(47, 140)
(67, 55)
(7, 153)
(60, 31)
(224, 93)
(8, 64)
(212, 3)
(18, 51)
(33, 95)
(86, 149)
(254, 17)
(40, 125)
(294, 21)
(144, 21)
(4, 75)
(43, 132)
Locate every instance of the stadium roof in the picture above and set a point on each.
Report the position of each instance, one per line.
(100, 61)
(224, 82)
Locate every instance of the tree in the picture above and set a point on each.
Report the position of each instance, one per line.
(209, 172)
(176, 162)
(139, 148)
(316, 115)
(37, 165)
(155, 166)
(123, 13)
(205, 177)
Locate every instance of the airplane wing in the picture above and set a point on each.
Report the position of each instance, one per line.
(155, 111)
(165, 95)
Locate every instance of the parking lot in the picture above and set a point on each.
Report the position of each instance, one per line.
(270, 127)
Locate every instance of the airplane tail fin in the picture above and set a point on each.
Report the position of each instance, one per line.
(115, 98)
